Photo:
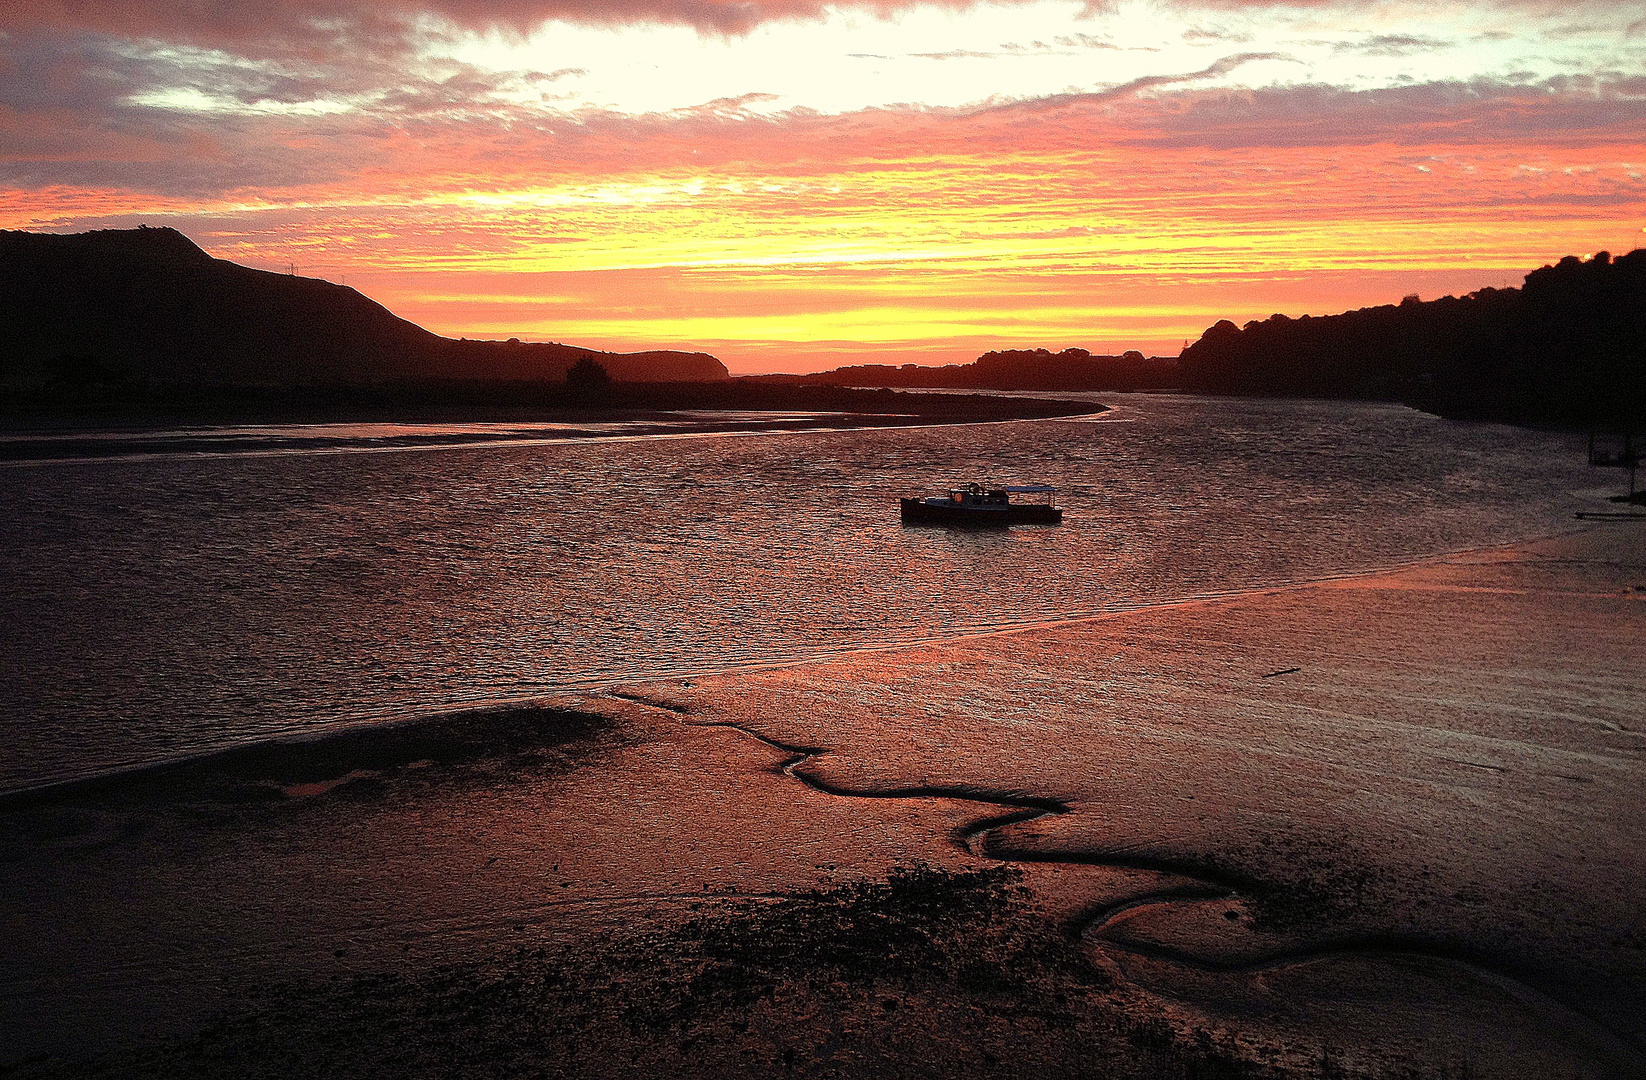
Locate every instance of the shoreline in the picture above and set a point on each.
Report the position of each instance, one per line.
(505, 404)
(315, 743)
(97, 445)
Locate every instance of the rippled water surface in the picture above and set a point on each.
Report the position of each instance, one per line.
(173, 603)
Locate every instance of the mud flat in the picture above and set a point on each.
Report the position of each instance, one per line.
(1391, 817)
(1379, 826)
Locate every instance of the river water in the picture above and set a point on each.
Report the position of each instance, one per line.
(174, 603)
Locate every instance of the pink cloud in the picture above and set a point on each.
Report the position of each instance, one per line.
(320, 28)
(432, 135)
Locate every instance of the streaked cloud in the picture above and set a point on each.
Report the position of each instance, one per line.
(1391, 45)
(1196, 35)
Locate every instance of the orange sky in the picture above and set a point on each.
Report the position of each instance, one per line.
(795, 187)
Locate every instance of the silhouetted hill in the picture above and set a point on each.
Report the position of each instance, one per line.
(1009, 369)
(1569, 347)
(105, 312)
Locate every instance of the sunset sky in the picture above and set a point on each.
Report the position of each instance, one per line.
(794, 185)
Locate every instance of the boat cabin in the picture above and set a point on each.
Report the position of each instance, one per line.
(978, 504)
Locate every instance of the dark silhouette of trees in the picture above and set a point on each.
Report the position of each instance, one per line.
(1013, 369)
(587, 379)
(1569, 346)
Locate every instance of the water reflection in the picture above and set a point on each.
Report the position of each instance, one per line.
(168, 604)
(57, 446)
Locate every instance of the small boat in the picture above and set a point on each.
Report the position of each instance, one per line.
(976, 504)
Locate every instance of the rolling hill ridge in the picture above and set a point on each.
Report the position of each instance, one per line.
(148, 307)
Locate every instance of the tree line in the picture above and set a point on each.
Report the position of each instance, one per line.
(1569, 346)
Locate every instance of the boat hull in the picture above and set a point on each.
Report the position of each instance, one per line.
(920, 512)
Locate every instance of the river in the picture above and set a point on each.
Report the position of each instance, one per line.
(179, 602)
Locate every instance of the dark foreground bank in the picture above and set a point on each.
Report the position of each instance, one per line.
(927, 973)
(922, 971)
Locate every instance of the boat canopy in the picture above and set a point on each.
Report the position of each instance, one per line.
(1029, 487)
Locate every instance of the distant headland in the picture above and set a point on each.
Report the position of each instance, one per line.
(1010, 369)
(93, 312)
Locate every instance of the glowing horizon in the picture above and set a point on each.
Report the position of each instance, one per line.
(796, 186)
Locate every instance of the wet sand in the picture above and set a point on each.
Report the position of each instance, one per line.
(1384, 825)
(1397, 813)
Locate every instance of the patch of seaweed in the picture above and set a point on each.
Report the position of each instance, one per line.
(929, 973)
(918, 925)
